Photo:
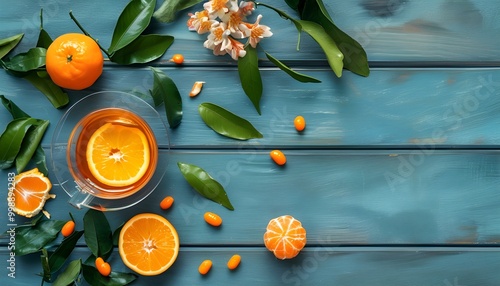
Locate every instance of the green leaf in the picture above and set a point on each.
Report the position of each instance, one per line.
(251, 81)
(133, 20)
(333, 55)
(166, 12)
(294, 4)
(42, 81)
(355, 58)
(227, 123)
(298, 76)
(97, 234)
(7, 44)
(30, 239)
(28, 61)
(40, 160)
(14, 110)
(93, 277)
(39, 155)
(144, 49)
(44, 39)
(30, 144)
(70, 274)
(204, 184)
(165, 88)
(116, 235)
(11, 139)
(46, 275)
(62, 252)
(29, 223)
(90, 261)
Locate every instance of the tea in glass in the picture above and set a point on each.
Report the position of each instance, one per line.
(115, 153)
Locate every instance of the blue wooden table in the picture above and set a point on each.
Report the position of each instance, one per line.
(396, 177)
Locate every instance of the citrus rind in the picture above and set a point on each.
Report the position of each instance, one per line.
(20, 194)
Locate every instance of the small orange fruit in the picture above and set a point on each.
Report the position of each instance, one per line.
(278, 157)
(177, 58)
(205, 266)
(166, 203)
(74, 61)
(102, 266)
(148, 244)
(118, 155)
(212, 219)
(31, 191)
(285, 237)
(68, 228)
(300, 123)
(234, 262)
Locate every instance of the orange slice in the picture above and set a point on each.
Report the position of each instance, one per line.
(29, 193)
(118, 155)
(285, 237)
(148, 244)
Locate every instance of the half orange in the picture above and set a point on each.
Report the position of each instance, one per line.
(148, 244)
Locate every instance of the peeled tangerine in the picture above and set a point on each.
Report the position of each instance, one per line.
(29, 193)
(285, 237)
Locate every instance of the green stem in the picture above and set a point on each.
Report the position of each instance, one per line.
(281, 13)
(41, 19)
(284, 16)
(87, 34)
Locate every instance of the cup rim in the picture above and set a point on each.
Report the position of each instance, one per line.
(81, 197)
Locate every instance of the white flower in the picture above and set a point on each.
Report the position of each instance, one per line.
(218, 37)
(220, 7)
(256, 32)
(233, 21)
(237, 49)
(201, 22)
(226, 22)
(246, 8)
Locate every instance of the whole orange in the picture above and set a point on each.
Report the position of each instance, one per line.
(74, 61)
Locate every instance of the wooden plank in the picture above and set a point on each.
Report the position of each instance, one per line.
(420, 30)
(314, 266)
(392, 107)
(395, 178)
(341, 197)
(410, 33)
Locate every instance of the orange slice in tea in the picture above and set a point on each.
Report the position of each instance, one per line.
(118, 155)
(148, 244)
(31, 191)
(285, 237)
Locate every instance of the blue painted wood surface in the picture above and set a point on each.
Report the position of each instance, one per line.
(395, 178)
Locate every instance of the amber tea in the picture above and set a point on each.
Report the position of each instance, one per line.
(115, 153)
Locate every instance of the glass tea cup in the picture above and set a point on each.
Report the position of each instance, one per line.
(76, 155)
(70, 141)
